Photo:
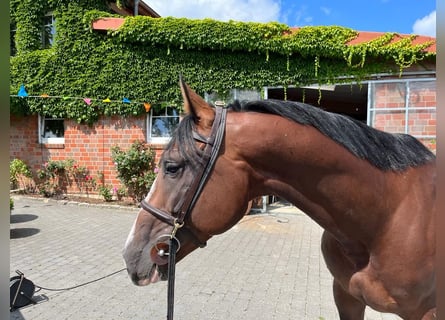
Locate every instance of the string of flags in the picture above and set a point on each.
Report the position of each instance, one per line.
(22, 93)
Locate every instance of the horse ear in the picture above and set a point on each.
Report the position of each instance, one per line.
(195, 105)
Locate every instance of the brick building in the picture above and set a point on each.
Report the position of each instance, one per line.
(88, 146)
(389, 102)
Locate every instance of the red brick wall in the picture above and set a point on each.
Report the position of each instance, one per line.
(89, 146)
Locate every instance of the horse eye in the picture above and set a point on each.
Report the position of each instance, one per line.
(172, 168)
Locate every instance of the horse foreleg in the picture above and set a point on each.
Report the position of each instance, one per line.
(341, 268)
(349, 308)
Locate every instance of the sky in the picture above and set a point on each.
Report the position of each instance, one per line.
(401, 16)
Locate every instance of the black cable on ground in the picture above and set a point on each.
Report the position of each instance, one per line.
(80, 285)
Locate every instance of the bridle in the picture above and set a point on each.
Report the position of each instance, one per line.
(177, 221)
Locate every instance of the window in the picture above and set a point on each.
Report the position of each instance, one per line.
(404, 106)
(51, 130)
(161, 124)
(232, 95)
(12, 32)
(48, 31)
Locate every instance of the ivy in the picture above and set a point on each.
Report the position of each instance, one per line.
(401, 51)
(143, 59)
(190, 34)
(28, 18)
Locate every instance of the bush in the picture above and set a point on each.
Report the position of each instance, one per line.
(135, 168)
(17, 171)
(54, 177)
(82, 178)
(105, 192)
(120, 192)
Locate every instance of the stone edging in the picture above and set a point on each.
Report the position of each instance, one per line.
(85, 204)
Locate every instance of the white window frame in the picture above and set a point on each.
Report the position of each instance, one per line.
(150, 116)
(406, 109)
(234, 94)
(43, 137)
(51, 27)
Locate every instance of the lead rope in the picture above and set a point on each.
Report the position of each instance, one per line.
(171, 278)
(173, 248)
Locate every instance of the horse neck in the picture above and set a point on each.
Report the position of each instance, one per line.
(310, 170)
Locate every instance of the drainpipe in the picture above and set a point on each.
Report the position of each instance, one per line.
(136, 7)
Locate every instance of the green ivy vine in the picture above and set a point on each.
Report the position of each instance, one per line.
(143, 59)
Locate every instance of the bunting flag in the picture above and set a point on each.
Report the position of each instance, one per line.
(88, 101)
(22, 91)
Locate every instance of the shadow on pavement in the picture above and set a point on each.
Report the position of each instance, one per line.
(17, 315)
(17, 233)
(18, 218)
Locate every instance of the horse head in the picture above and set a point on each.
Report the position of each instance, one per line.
(173, 195)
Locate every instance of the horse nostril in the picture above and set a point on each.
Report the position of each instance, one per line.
(134, 278)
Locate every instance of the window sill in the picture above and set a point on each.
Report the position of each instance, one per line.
(159, 141)
(53, 145)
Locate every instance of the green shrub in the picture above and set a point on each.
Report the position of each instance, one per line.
(54, 177)
(18, 170)
(105, 192)
(120, 192)
(135, 168)
(81, 177)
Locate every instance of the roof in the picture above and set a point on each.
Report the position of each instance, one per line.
(108, 23)
(128, 10)
(362, 37)
(366, 36)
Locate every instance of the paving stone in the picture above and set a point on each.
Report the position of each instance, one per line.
(276, 272)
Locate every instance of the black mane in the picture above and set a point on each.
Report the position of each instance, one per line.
(384, 150)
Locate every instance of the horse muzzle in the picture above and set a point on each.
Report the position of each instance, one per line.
(156, 273)
(159, 258)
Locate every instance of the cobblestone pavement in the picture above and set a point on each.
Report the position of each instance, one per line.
(269, 266)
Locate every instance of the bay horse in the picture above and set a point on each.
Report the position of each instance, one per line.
(372, 192)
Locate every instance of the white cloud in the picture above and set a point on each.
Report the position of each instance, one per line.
(224, 10)
(302, 17)
(325, 10)
(426, 26)
(308, 20)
